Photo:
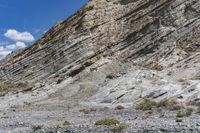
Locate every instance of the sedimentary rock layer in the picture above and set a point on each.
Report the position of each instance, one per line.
(151, 33)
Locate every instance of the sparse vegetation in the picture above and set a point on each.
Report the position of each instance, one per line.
(118, 128)
(87, 111)
(198, 109)
(193, 107)
(180, 114)
(104, 109)
(149, 112)
(146, 104)
(149, 104)
(184, 113)
(36, 127)
(162, 114)
(181, 80)
(188, 111)
(66, 123)
(179, 120)
(119, 107)
(167, 103)
(84, 111)
(107, 121)
(196, 78)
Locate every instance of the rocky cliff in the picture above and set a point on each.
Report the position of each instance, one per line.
(153, 34)
(111, 51)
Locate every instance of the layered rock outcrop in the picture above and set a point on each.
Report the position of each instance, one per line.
(106, 39)
(149, 33)
(111, 52)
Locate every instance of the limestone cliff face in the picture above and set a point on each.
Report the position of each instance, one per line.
(155, 34)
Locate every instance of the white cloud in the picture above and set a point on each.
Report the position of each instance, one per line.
(19, 36)
(4, 51)
(18, 45)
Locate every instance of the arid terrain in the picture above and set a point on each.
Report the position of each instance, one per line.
(130, 66)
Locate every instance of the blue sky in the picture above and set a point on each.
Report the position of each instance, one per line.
(24, 21)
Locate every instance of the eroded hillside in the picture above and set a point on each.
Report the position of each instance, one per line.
(109, 53)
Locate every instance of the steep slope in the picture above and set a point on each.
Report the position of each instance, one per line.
(110, 52)
(149, 33)
(107, 41)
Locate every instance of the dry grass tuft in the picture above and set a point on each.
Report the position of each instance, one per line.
(87, 111)
(119, 107)
(107, 122)
(66, 123)
(119, 128)
(36, 127)
(146, 104)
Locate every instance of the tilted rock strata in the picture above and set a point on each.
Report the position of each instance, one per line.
(146, 32)
(160, 35)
